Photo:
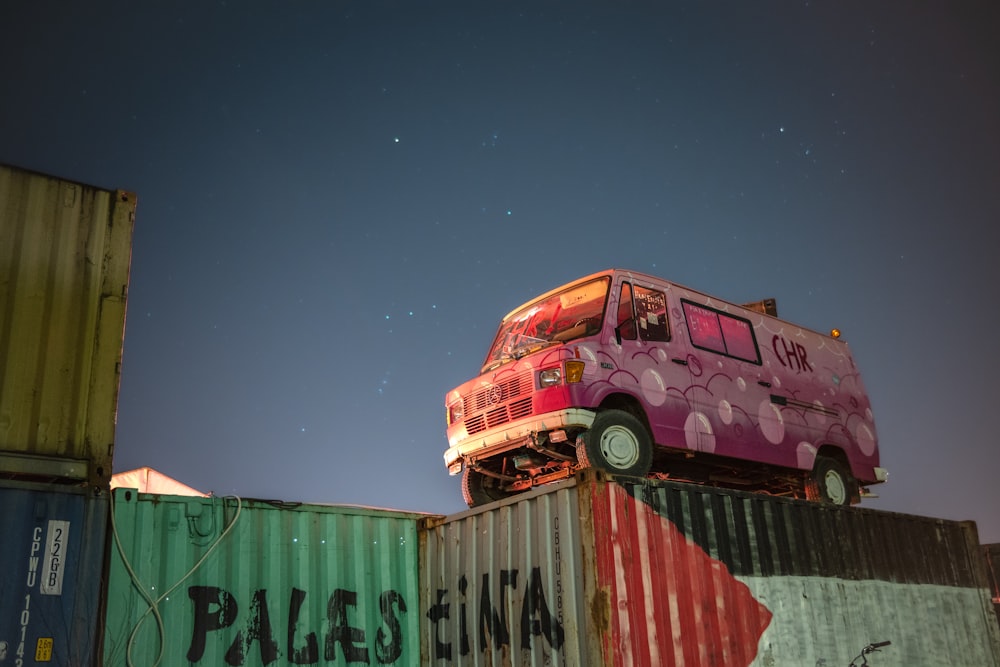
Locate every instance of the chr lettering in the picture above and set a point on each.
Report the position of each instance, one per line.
(791, 354)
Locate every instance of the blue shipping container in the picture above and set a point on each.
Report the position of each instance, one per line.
(51, 562)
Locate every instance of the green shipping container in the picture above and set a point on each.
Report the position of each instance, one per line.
(223, 581)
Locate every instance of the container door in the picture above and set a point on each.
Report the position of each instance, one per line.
(50, 574)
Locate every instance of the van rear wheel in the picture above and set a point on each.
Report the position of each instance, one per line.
(618, 443)
(834, 483)
(479, 489)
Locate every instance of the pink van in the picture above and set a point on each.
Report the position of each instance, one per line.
(638, 376)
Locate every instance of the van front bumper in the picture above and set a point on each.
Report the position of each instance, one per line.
(513, 435)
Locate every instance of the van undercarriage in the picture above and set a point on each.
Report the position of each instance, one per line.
(540, 461)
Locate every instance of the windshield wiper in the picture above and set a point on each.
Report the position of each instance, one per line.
(530, 347)
(519, 352)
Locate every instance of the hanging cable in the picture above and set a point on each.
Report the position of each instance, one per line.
(153, 605)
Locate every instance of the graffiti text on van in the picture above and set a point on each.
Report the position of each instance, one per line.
(216, 609)
(536, 619)
(791, 354)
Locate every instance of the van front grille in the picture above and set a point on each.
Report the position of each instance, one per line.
(499, 403)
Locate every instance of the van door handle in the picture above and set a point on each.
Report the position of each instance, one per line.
(764, 383)
(682, 362)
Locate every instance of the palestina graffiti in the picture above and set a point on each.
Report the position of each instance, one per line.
(216, 611)
(596, 572)
(535, 622)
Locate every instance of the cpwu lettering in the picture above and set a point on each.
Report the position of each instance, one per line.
(340, 640)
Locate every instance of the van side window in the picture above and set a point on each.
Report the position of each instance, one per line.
(625, 320)
(720, 332)
(651, 314)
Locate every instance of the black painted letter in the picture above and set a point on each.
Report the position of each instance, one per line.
(309, 653)
(351, 640)
(206, 620)
(389, 649)
(259, 630)
(490, 621)
(439, 611)
(534, 602)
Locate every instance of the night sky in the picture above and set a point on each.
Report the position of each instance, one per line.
(338, 201)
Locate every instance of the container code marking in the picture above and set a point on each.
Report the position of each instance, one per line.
(43, 650)
(557, 557)
(55, 554)
(31, 580)
(45, 568)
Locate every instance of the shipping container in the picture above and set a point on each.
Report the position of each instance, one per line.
(598, 571)
(65, 249)
(224, 581)
(51, 564)
(991, 557)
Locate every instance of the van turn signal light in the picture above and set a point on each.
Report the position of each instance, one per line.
(574, 371)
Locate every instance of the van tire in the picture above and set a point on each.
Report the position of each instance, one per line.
(479, 489)
(834, 483)
(619, 444)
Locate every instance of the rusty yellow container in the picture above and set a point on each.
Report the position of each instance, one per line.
(65, 249)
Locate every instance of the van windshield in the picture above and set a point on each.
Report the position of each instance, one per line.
(573, 313)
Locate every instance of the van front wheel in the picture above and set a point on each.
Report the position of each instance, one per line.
(479, 489)
(618, 443)
(834, 483)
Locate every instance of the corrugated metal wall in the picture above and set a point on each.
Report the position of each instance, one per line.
(991, 556)
(625, 572)
(759, 535)
(51, 561)
(669, 602)
(505, 586)
(287, 584)
(64, 262)
(712, 577)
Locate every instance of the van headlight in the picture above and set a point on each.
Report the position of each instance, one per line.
(456, 411)
(550, 377)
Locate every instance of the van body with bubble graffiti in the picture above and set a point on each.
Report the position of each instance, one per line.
(638, 376)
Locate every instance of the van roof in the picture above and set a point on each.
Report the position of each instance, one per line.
(654, 279)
